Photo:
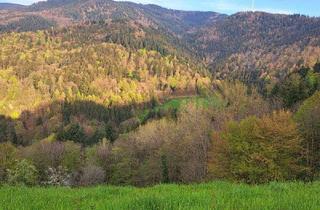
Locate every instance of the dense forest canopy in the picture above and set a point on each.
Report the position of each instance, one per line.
(98, 91)
(246, 46)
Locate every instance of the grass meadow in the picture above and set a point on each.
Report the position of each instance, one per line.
(215, 195)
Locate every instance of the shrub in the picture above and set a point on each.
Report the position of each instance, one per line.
(129, 125)
(71, 156)
(100, 155)
(43, 155)
(7, 159)
(57, 177)
(46, 155)
(23, 173)
(92, 175)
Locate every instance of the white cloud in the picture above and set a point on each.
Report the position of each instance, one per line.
(276, 11)
(24, 2)
(230, 7)
(227, 6)
(158, 2)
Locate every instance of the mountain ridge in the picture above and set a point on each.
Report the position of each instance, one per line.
(11, 6)
(235, 45)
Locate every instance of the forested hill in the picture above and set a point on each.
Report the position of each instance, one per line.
(10, 6)
(122, 21)
(254, 45)
(84, 43)
(76, 12)
(101, 91)
(247, 46)
(96, 61)
(62, 50)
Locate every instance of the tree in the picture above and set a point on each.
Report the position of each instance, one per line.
(23, 173)
(166, 150)
(186, 149)
(239, 101)
(293, 90)
(71, 156)
(8, 156)
(316, 67)
(45, 155)
(308, 118)
(259, 150)
(73, 132)
(297, 86)
(92, 175)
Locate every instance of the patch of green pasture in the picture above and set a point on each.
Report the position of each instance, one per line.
(215, 195)
(177, 103)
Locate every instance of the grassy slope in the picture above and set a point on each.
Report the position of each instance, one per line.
(216, 195)
(177, 103)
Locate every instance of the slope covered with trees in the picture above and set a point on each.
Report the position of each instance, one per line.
(256, 45)
(84, 86)
(250, 46)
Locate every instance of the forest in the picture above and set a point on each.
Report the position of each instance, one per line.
(118, 96)
(228, 133)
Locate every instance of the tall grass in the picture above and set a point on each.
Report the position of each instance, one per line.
(216, 195)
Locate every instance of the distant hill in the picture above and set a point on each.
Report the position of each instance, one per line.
(10, 6)
(249, 45)
(154, 24)
(252, 45)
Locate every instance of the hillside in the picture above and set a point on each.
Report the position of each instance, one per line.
(10, 6)
(150, 19)
(248, 46)
(47, 70)
(106, 92)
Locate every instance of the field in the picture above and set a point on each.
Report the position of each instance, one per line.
(216, 195)
(177, 103)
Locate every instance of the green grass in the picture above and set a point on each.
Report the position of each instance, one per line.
(177, 103)
(216, 195)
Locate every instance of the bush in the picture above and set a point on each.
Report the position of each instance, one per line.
(100, 155)
(7, 159)
(46, 155)
(129, 125)
(92, 175)
(23, 173)
(57, 177)
(71, 156)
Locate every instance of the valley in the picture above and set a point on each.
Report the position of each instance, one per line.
(120, 105)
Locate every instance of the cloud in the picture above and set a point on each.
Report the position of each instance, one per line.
(275, 11)
(23, 2)
(231, 7)
(227, 6)
(158, 2)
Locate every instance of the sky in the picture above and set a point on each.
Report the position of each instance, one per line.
(306, 7)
